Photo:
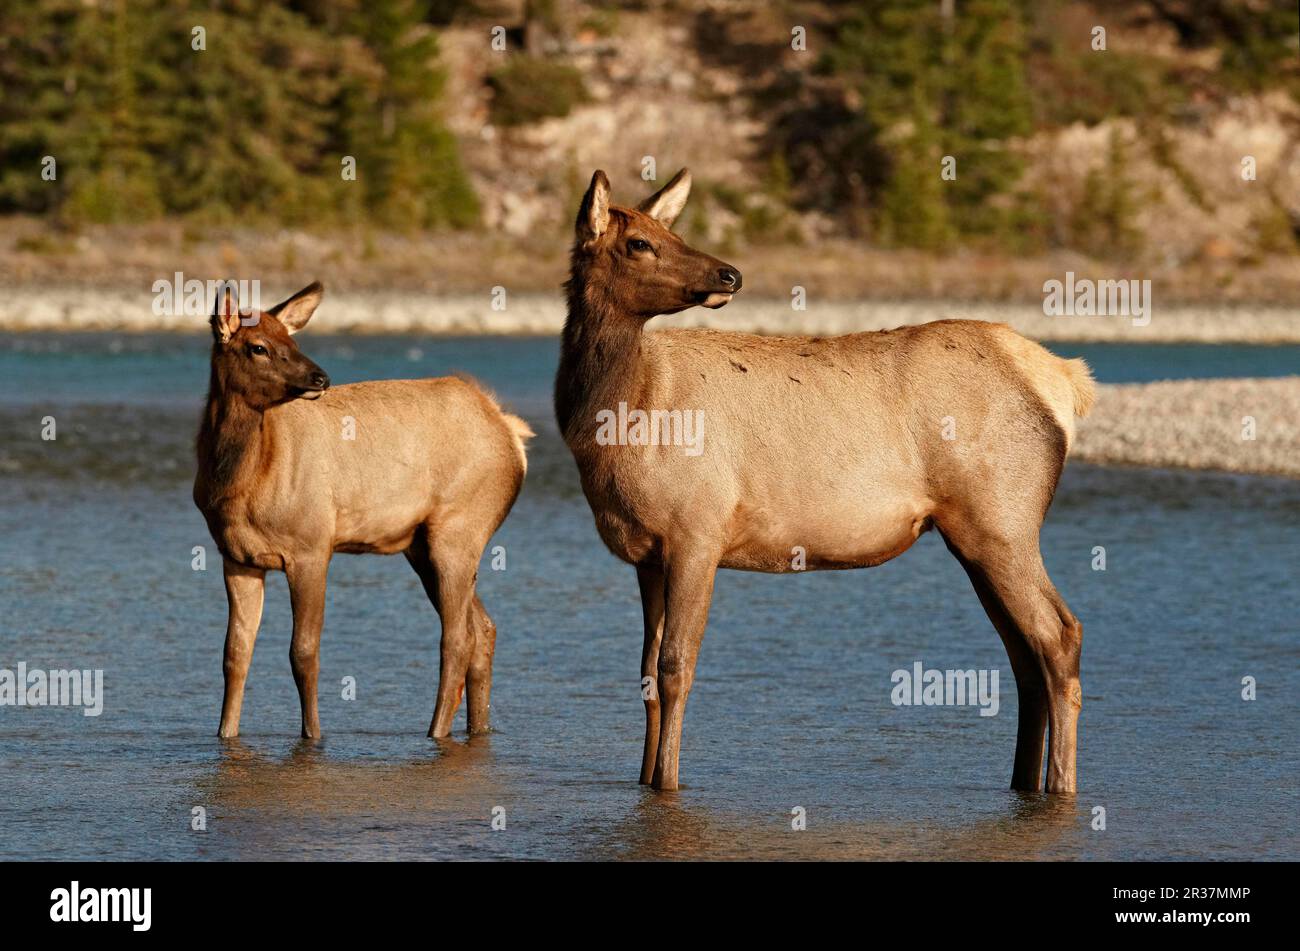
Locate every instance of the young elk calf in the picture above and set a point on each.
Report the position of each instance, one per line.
(291, 471)
(837, 447)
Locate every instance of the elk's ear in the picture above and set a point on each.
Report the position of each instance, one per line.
(593, 216)
(667, 203)
(297, 310)
(225, 312)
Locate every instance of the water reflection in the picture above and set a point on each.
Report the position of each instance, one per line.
(672, 826)
(309, 801)
(308, 779)
(876, 783)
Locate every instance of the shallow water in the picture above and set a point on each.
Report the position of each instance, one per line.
(792, 700)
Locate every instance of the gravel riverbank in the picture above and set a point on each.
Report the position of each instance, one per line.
(1197, 424)
(378, 312)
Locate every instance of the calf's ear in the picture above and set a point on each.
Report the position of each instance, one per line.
(225, 312)
(297, 310)
(593, 214)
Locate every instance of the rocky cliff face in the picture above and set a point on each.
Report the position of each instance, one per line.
(654, 102)
(716, 85)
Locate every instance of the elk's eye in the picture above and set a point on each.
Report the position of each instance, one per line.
(257, 350)
(636, 245)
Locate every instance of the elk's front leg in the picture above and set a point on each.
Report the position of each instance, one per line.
(651, 580)
(687, 593)
(307, 595)
(245, 588)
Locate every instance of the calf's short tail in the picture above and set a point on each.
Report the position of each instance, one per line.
(521, 432)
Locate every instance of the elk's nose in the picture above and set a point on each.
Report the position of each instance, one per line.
(730, 278)
(320, 380)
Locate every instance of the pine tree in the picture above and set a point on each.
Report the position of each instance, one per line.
(938, 78)
(407, 161)
(987, 108)
(116, 179)
(251, 127)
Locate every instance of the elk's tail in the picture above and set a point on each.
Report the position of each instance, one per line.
(1083, 386)
(1066, 386)
(521, 432)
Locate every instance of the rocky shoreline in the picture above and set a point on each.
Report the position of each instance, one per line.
(1193, 424)
(1246, 425)
(381, 312)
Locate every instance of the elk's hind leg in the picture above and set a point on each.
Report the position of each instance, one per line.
(1009, 573)
(1056, 638)
(1065, 693)
(478, 678)
(448, 579)
(1031, 689)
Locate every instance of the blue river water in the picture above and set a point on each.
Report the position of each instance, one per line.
(791, 709)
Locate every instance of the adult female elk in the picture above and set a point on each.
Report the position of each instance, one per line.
(291, 471)
(830, 447)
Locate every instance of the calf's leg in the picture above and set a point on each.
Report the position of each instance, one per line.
(245, 589)
(478, 678)
(307, 596)
(455, 573)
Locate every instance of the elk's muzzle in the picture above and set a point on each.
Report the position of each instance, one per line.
(315, 382)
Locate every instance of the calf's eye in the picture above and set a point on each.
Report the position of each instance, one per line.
(637, 245)
(257, 350)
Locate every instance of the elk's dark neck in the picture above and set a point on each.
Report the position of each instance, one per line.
(230, 437)
(601, 361)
